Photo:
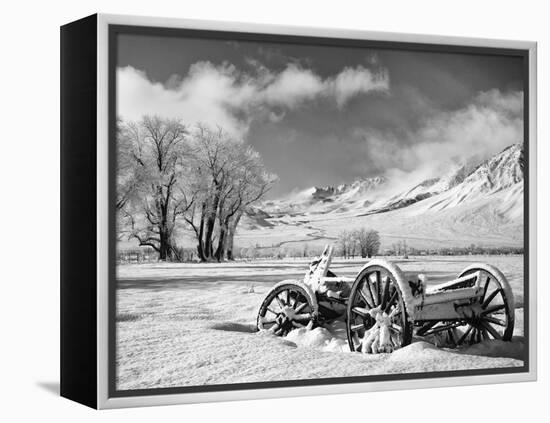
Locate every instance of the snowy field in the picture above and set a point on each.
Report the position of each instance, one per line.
(194, 324)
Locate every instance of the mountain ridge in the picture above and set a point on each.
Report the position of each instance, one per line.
(498, 172)
(473, 202)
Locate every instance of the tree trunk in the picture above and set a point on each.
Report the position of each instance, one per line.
(229, 246)
(210, 223)
(165, 247)
(221, 244)
(232, 228)
(200, 246)
(163, 253)
(222, 241)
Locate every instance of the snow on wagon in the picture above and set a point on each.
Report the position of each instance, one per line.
(383, 309)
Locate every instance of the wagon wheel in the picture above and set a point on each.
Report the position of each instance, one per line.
(286, 307)
(377, 293)
(496, 320)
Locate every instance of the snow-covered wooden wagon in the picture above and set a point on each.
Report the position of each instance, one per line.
(383, 309)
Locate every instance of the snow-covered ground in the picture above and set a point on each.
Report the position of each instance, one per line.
(194, 324)
(480, 221)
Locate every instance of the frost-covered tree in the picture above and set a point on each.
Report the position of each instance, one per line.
(346, 243)
(229, 177)
(248, 182)
(151, 186)
(170, 180)
(368, 241)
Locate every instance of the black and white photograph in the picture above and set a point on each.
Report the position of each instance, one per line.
(301, 210)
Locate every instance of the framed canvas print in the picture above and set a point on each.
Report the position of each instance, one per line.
(255, 211)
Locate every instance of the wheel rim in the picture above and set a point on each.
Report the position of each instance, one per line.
(376, 289)
(285, 309)
(494, 320)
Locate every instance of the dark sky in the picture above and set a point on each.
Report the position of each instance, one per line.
(311, 111)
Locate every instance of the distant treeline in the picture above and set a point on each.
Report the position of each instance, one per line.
(461, 251)
(253, 252)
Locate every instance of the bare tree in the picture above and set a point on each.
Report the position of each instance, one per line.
(250, 183)
(368, 241)
(127, 178)
(230, 177)
(405, 249)
(346, 243)
(399, 248)
(156, 157)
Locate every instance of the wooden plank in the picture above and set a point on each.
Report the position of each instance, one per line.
(450, 296)
(446, 286)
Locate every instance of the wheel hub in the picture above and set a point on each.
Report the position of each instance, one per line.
(289, 313)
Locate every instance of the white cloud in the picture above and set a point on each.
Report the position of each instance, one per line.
(354, 81)
(205, 95)
(292, 86)
(490, 123)
(296, 85)
(223, 95)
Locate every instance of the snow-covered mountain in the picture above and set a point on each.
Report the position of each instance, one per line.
(483, 200)
(501, 172)
(465, 182)
(328, 198)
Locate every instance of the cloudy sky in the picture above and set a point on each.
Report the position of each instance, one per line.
(322, 115)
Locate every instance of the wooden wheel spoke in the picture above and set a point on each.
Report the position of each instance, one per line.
(386, 292)
(442, 328)
(396, 328)
(391, 301)
(490, 298)
(300, 307)
(452, 336)
(477, 338)
(396, 339)
(494, 320)
(474, 337)
(287, 302)
(355, 328)
(426, 327)
(361, 311)
(370, 292)
(280, 302)
(302, 317)
(492, 309)
(378, 287)
(297, 324)
(364, 298)
(292, 296)
(274, 328)
(267, 322)
(465, 335)
(491, 330)
(486, 287)
(271, 311)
